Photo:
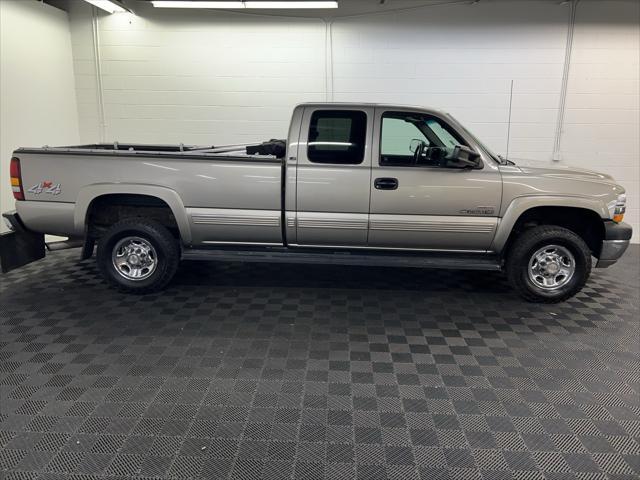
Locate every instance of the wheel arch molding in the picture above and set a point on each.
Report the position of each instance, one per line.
(89, 194)
(520, 206)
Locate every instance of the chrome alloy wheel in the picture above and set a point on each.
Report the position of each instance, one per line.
(134, 258)
(551, 267)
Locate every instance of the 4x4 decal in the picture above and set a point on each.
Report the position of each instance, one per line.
(46, 186)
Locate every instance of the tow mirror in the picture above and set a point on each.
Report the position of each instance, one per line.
(463, 156)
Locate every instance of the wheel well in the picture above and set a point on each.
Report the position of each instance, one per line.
(583, 222)
(106, 210)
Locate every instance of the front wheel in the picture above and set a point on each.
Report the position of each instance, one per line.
(548, 264)
(138, 256)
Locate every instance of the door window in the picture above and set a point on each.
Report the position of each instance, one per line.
(398, 137)
(337, 136)
(411, 139)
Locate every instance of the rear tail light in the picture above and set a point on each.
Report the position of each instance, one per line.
(16, 179)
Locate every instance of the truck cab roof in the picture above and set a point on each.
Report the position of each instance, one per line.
(413, 108)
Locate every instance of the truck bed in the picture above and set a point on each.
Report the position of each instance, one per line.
(181, 151)
(216, 193)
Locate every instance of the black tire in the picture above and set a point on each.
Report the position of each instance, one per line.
(531, 241)
(166, 255)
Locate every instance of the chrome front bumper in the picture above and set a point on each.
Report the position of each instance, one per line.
(615, 243)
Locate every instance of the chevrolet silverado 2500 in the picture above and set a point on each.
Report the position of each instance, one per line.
(356, 184)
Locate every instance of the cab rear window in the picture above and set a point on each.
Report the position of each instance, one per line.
(337, 136)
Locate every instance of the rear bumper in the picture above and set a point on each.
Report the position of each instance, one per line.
(616, 240)
(19, 246)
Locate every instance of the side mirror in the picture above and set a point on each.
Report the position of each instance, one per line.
(415, 144)
(463, 156)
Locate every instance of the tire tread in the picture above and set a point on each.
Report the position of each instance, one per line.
(519, 252)
(160, 234)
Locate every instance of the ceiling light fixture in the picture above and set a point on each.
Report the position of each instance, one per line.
(179, 4)
(107, 6)
(243, 4)
(302, 4)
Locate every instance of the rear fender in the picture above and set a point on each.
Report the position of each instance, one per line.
(89, 193)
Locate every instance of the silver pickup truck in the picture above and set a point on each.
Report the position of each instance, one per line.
(355, 184)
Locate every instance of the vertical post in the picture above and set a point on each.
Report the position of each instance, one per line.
(328, 59)
(557, 154)
(509, 121)
(98, 69)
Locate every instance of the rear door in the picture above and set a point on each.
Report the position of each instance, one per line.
(334, 176)
(418, 201)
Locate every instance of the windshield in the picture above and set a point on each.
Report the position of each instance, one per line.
(443, 135)
(487, 150)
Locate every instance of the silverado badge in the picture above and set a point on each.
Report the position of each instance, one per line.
(478, 211)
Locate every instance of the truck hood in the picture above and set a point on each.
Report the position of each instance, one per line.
(597, 191)
(540, 169)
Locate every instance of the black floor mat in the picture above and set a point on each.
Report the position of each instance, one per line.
(287, 371)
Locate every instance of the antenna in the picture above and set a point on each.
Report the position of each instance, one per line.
(509, 121)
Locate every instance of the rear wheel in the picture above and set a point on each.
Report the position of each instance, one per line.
(548, 264)
(138, 256)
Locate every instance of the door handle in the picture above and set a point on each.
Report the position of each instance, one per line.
(385, 183)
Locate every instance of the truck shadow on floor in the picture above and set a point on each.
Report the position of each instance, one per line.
(61, 276)
(238, 274)
(208, 296)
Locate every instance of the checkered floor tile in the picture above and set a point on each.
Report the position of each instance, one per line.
(250, 371)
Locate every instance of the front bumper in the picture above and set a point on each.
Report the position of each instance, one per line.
(615, 243)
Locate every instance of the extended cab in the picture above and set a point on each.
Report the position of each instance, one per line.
(358, 184)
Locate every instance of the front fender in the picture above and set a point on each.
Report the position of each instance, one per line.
(520, 205)
(89, 193)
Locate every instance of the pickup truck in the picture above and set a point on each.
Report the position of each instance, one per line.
(354, 184)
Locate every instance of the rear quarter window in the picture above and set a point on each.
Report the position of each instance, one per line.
(337, 136)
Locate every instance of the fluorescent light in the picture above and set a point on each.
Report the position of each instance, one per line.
(302, 4)
(178, 4)
(240, 4)
(107, 6)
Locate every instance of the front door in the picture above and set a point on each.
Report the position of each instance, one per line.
(419, 200)
(334, 176)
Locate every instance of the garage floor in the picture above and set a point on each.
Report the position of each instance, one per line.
(249, 371)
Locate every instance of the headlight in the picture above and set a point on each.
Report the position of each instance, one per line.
(617, 208)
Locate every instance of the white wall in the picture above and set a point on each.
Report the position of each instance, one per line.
(195, 77)
(212, 77)
(37, 91)
(461, 59)
(602, 127)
